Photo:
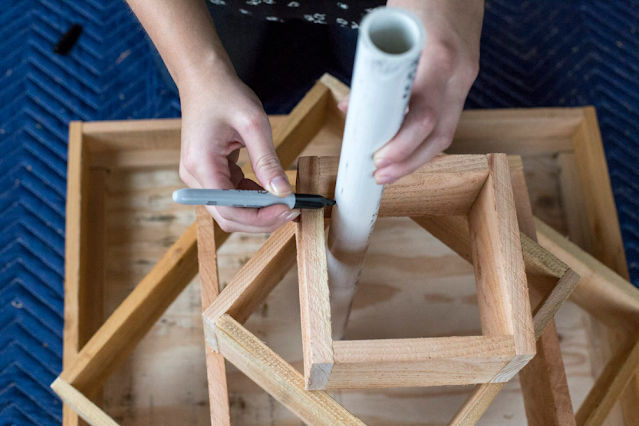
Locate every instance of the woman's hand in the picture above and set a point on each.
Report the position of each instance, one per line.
(447, 69)
(220, 115)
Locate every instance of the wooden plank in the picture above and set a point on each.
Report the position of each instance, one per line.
(209, 285)
(135, 159)
(573, 201)
(135, 316)
(315, 308)
(613, 300)
(338, 89)
(81, 404)
(133, 136)
(544, 384)
(448, 185)
(502, 290)
(543, 269)
(602, 292)
(543, 381)
(76, 224)
(547, 307)
(303, 123)
(601, 211)
(616, 376)
(529, 131)
(437, 361)
(607, 245)
(256, 279)
(113, 148)
(476, 405)
(75, 326)
(600, 216)
(276, 376)
(85, 225)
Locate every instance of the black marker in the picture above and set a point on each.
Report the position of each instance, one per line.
(249, 199)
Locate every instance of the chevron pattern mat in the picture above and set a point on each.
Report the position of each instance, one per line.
(533, 54)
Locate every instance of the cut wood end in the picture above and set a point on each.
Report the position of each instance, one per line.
(210, 333)
(58, 384)
(317, 377)
(512, 368)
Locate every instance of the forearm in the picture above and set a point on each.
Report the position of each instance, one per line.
(444, 18)
(184, 34)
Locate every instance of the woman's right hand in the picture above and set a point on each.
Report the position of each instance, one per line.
(220, 115)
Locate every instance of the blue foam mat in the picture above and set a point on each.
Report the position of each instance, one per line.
(567, 53)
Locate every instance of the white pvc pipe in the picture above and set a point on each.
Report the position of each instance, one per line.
(388, 49)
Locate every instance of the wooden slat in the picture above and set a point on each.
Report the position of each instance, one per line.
(256, 279)
(502, 291)
(605, 241)
(614, 379)
(315, 308)
(83, 306)
(603, 293)
(276, 376)
(81, 404)
(573, 201)
(543, 269)
(543, 380)
(76, 223)
(75, 258)
(530, 131)
(209, 285)
(602, 214)
(133, 134)
(608, 297)
(544, 384)
(135, 316)
(547, 307)
(476, 405)
(113, 148)
(303, 123)
(448, 185)
(437, 361)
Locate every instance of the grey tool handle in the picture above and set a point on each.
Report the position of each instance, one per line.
(230, 198)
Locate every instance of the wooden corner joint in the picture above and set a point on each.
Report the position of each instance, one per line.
(254, 282)
(502, 288)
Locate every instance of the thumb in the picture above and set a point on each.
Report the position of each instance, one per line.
(266, 166)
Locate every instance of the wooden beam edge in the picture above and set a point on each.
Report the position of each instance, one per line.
(245, 280)
(277, 377)
(82, 405)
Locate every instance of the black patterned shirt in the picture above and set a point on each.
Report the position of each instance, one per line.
(345, 13)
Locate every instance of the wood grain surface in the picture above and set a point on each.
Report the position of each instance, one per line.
(412, 286)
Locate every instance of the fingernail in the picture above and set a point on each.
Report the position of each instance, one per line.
(280, 186)
(381, 162)
(290, 215)
(384, 179)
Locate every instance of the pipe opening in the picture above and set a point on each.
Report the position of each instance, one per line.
(393, 33)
